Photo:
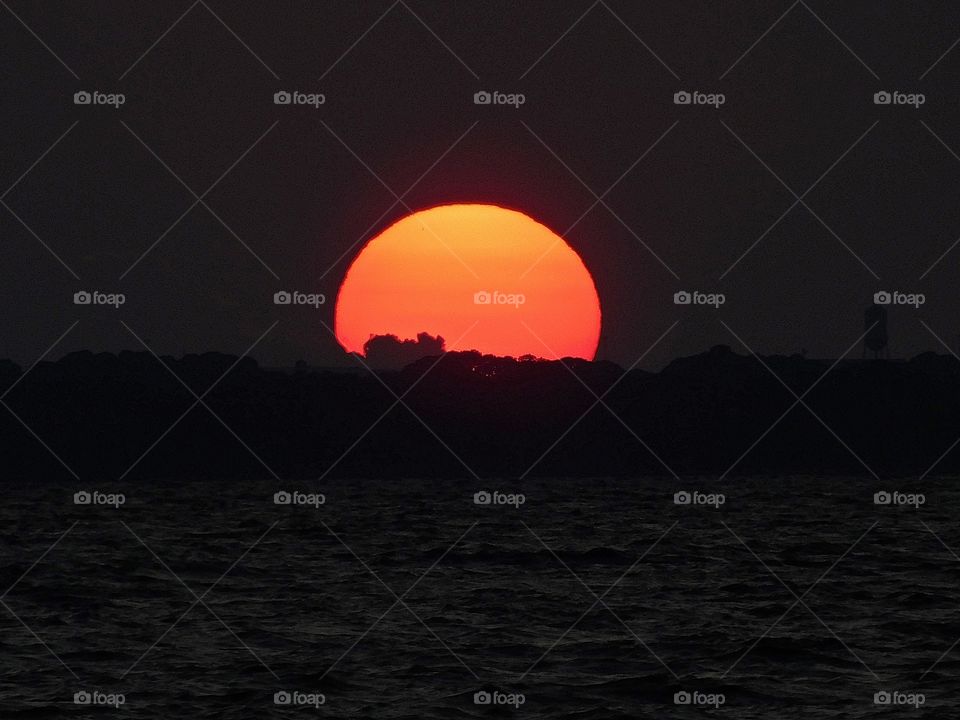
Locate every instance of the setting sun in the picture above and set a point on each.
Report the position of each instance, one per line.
(483, 277)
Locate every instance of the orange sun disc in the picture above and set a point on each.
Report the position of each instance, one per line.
(483, 277)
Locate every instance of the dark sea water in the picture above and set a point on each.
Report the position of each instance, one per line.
(494, 598)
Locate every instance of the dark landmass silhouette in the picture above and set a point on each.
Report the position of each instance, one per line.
(388, 352)
(104, 414)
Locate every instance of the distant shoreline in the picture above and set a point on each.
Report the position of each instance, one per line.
(715, 414)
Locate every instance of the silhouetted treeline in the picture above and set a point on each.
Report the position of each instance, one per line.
(101, 413)
(388, 352)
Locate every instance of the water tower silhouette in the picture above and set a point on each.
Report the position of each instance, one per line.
(875, 322)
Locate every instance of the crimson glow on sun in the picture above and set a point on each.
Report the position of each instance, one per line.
(481, 276)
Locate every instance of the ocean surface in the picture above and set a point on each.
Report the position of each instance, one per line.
(787, 597)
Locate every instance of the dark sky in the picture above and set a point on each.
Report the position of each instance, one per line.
(200, 95)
